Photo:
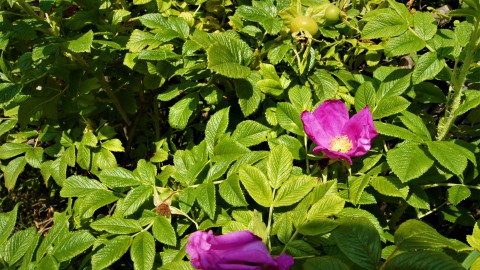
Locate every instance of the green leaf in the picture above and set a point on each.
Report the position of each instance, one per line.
(424, 25)
(474, 239)
(80, 186)
(116, 225)
(48, 262)
(118, 177)
(325, 86)
(83, 156)
(114, 145)
(414, 123)
(139, 40)
(383, 22)
(390, 106)
(142, 251)
(279, 165)
(456, 194)
(390, 186)
(425, 260)
(397, 132)
(146, 171)
(293, 190)
(408, 161)
(394, 81)
(356, 186)
(229, 149)
(293, 144)
(18, 245)
(110, 251)
(418, 198)
(9, 150)
(248, 93)
(250, 133)
(229, 56)
(349, 212)
(358, 239)
(404, 44)
(7, 223)
(207, 198)
(104, 159)
(6, 126)
(231, 191)
(163, 231)
(34, 157)
(472, 100)
(364, 96)
(256, 184)
(7, 92)
(181, 111)
(94, 200)
(72, 244)
(301, 98)
(216, 126)
(414, 235)
(11, 172)
(328, 205)
(289, 118)
(58, 231)
(449, 155)
(319, 226)
(81, 44)
(427, 67)
(327, 263)
(135, 198)
(263, 13)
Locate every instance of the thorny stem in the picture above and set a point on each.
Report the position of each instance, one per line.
(459, 75)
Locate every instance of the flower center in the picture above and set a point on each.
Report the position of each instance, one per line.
(341, 144)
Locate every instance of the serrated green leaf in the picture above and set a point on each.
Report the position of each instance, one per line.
(48, 262)
(104, 159)
(425, 260)
(8, 91)
(231, 191)
(390, 106)
(293, 190)
(72, 244)
(142, 251)
(279, 165)
(456, 194)
(207, 198)
(416, 235)
(424, 25)
(474, 239)
(418, 198)
(356, 186)
(263, 13)
(110, 251)
(58, 231)
(80, 186)
(365, 95)
(118, 177)
(229, 149)
(139, 40)
(94, 200)
(397, 132)
(257, 185)
(248, 93)
(390, 186)
(328, 205)
(135, 198)
(146, 171)
(181, 111)
(81, 44)
(34, 157)
(472, 100)
(427, 67)
(349, 212)
(163, 231)
(358, 239)
(116, 225)
(83, 156)
(415, 124)
(404, 44)
(299, 248)
(395, 81)
(250, 133)
(11, 172)
(383, 22)
(9, 150)
(325, 86)
(7, 125)
(408, 161)
(7, 223)
(18, 245)
(293, 144)
(449, 155)
(114, 145)
(288, 117)
(318, 226)
(216, 126)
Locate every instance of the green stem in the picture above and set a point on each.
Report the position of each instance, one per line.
(307, 160)
(420, 216)
(402, 206)
(459, 75)
(214, 182)
(270, 217)
(294, 235)
(389, 258)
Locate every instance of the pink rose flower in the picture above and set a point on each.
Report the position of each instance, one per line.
(236, 250)
(337, 135)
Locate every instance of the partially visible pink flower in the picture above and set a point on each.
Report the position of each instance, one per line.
(337, 135)
(237, 250)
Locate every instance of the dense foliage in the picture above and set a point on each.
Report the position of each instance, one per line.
(134, 124)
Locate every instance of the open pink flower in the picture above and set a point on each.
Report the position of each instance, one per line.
(236, 250)
(337, 135)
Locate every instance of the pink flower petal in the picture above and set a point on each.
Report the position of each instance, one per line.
(332, 116)
(337, 155)
(314, 130)
(360, 130)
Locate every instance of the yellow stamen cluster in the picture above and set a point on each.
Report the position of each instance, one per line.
(341, 144)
